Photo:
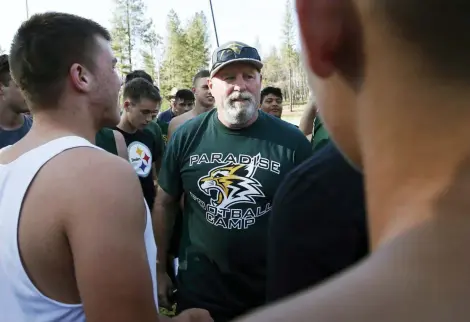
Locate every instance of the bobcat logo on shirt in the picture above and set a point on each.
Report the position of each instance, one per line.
(232, 183)
(141, 158)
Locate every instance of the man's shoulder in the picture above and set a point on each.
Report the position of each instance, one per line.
(105, 132)
(180, 119)
(177, 121)
(282, 131)
(326, 168)
(280, 123)
(104, 139)
(86, 161)
(189, 126)
(154, 129)
(164, 114)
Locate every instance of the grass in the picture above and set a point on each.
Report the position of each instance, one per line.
(294, 116)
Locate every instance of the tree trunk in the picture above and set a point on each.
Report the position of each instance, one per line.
(291, 103)
(129, 40)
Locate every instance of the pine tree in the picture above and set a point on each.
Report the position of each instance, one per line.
(197, 46)
(129, 28)
(174, 60)
(258, 46)
(288, 49)
(151, 52)
(273, 74)
(187, 51)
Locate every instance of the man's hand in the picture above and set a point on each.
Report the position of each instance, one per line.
(165, 290)
(193, 315)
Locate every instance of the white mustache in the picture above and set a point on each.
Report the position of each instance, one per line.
(242, 95)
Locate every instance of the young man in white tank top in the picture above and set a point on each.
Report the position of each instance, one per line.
(76, 239)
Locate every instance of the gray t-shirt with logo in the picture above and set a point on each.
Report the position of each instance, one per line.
(9, 137)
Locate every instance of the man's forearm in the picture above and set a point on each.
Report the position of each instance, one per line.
(308, 116)
(164, 215)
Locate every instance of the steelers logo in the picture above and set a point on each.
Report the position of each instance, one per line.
(140, 158)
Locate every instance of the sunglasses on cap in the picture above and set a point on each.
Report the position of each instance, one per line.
(228, 54)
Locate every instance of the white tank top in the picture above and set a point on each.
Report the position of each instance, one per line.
(20, 300)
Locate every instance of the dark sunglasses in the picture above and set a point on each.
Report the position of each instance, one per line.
(228, 54)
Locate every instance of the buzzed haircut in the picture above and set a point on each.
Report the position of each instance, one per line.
(45, 47)
(271, 90)
(138, 73)
(185, 95)
(139, 88)
(439, 29)
(5, 76)
(199, 75)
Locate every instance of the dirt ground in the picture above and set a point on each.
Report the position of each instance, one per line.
(294, 116)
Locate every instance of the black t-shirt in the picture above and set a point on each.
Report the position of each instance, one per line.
(318, 225)
(143, 148)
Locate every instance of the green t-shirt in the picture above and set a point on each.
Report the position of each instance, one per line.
(229, 178)
(105, 140)
(164, 129)
(320, 135)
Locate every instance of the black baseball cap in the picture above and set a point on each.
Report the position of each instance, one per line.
(232, 52)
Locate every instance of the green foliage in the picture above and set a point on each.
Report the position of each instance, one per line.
(283, 68)
(173, 62)
(129, 29)
(187, 51)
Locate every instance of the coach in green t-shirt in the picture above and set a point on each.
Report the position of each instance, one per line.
(228, 162)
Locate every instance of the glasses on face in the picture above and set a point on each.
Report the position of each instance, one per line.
(225, 55)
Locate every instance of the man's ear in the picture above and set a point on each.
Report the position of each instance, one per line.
(80, 78)
(126, 105)
(209, 83)
(321, 25)
(332, 38)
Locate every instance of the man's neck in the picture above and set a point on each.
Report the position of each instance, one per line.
(126, 126)
(10, 120)
(412, 158)
(49, 125)
(199, 109)
(237, 126)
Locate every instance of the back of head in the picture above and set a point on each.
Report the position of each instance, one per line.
(4, 70)
(437, 29)
(44, 49)
(138, 74)
(139, 88)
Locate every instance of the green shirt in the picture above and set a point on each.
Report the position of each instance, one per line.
(143, 147)
(320, 135)
(164, 129)
(229, 178)
(105, 140)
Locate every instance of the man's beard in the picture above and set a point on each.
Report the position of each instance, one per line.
(239, 113)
